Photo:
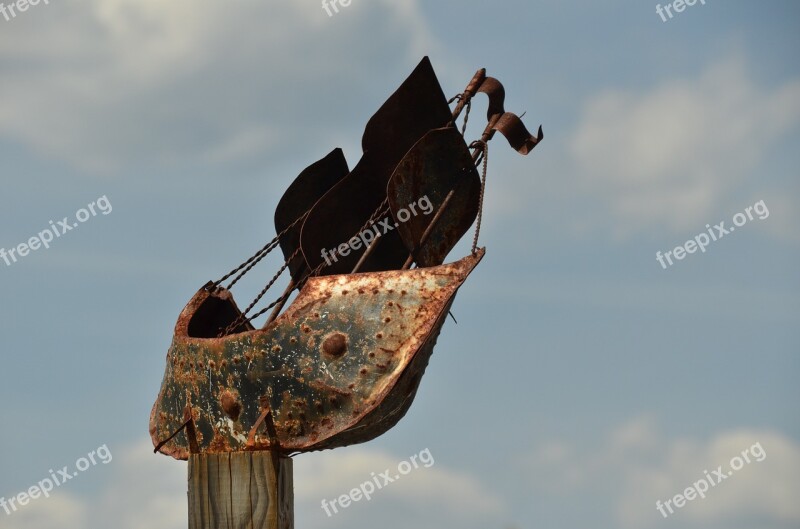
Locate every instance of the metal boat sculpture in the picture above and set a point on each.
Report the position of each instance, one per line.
(342, 364)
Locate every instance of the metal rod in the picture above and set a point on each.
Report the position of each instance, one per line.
(364, 256)
(282, 303)
(430, 227)
(469, 91)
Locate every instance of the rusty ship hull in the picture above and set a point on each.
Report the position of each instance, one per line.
(347, 355)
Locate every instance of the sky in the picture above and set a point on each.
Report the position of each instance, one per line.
(585, 383)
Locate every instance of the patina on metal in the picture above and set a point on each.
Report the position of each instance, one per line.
(340, 366)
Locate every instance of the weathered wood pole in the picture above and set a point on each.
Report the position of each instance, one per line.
(241, 490)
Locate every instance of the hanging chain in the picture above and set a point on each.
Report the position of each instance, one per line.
(484, 147)
(382, 209)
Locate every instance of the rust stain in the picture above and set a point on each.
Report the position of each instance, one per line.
(349, 386)
(230, 404)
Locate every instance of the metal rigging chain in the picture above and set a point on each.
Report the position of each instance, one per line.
(484, 147)
(379, 211)
(271, 282)
(281, 299)
(466, 116)
(383, 208)
(251, 265)
(459, 97)
(259, 254)
(266, 249)
(243, 316)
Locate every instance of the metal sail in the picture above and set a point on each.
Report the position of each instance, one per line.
(315, 180)
(418, 106)
(437, 166)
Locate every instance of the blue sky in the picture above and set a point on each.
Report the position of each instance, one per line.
(582, 383)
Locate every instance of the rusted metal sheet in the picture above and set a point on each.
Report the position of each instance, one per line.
(437, 164)
(416, 107)
(315, 180)
(507, 123)
(340, 366)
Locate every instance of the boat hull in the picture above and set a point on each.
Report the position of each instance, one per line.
(341, 366)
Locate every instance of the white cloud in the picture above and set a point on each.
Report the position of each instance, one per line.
(109, 83)
(453, 494)
(673, 156)
(60, 510)
(147, 491)
(143, 491)
(784, 212)
(765, 490)
(634, 466)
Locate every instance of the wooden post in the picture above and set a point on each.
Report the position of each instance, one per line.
(241, 490)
